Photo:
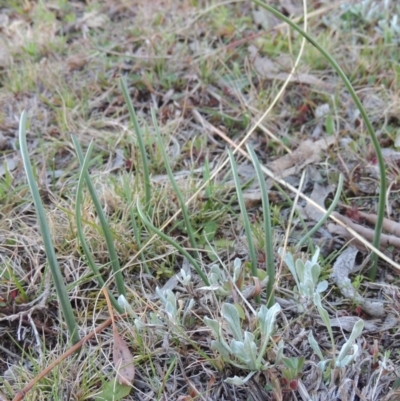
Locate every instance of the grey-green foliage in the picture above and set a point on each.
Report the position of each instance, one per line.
(307, 290)
(169, 308)
(383, 15)
(268, 232)
(245, 350)
(324, 316)
(124, 304)
(219, 282)
(346, 354)
(184, 278)
(344, 357)
(306, 274)
(173, 312)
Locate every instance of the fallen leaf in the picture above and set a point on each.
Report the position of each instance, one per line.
(265, 67)
(374, 103)
(94, 19)
(347, 323)
(318, 195)
(265, 19)
(291, 7)
(8, 164)
(123, 361)
(308, 152)
(252, 198)
(302, 78)
(119, 161)
(343, 266)
(268, 68)
(76, 61)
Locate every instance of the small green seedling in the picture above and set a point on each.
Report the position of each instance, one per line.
(306, 276)
(245, 350)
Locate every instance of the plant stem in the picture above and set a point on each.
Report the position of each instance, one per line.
(375, 142)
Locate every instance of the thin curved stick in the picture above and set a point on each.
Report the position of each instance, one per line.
(237, 147)
(375, 142)
(22, 393)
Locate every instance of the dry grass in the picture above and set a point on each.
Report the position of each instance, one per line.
(194, 62)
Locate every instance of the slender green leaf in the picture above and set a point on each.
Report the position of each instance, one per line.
(104, 225)
(165, 237)
(268, 233)
(374, 139)
(206, 177)
(78, 217)
(142, 148)
(46, 234)
(136, 227)
(177, 190)
(246, 221)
